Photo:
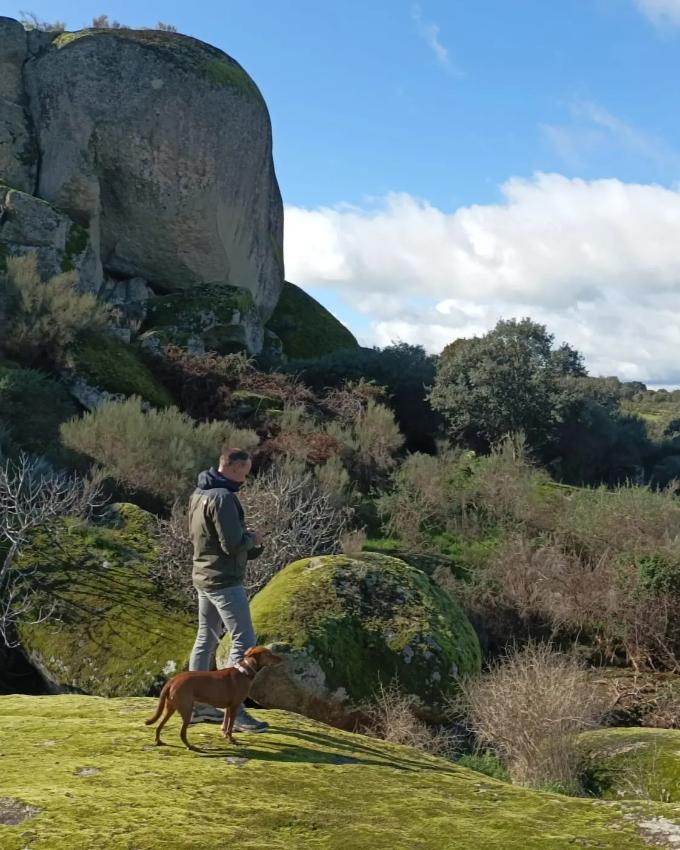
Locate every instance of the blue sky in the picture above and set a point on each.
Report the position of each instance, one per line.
(447, 163)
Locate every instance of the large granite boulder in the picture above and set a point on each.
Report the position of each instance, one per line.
(162, 144)
(111, 631)
(151, 154)
(347, 624)
(18, 154)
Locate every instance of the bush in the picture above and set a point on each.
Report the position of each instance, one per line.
(298, 517)
(158, 453)
(45, 318)
(369, 443)
(391, 717)
(32, 407)
(405, 371)
(530, 708)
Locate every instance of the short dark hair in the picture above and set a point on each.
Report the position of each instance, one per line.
(230, 455)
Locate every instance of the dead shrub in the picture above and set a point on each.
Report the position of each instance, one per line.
(299, 519)
(530, 707)
(391, 717)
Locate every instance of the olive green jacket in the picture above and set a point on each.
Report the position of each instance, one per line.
(219, 535)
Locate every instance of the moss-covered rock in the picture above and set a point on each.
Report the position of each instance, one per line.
(32, 407)
(217, 318)
(111, 631)
(81, 772)
(305, 328)
(346, 624)
(635, 764)
(117, 367)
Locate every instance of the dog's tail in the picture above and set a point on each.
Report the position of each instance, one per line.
(161, 705)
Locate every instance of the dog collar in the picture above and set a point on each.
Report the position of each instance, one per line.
(245, 668)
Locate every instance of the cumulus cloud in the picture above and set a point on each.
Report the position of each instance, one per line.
(597, 261)
(660, 11)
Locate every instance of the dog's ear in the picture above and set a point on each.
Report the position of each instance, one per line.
(252, 651)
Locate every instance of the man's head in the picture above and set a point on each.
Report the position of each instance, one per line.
(235, 464)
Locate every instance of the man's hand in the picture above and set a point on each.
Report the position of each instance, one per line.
(258, 535)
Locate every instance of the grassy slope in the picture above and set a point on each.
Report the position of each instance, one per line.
(88, 765)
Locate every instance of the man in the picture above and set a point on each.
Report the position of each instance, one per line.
(223, 544)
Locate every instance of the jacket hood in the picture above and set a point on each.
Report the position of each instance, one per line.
(211, 479)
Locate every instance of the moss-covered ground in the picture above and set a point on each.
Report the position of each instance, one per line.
(306, 329)
(633, 763)
(82, 773)
(112, 365)
(111, 631)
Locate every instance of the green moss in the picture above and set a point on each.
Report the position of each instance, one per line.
(32, 407)
(225, 72)
(642, 764)
(256, 402)
(188, 53)
(88, 771)
(76, 243)
(211, 313)
(112, 365)
(367, 619)
(111, 633)
(306, 329)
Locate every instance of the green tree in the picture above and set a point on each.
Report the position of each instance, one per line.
(509, 380)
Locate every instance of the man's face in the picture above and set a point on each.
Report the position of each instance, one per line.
(238, 471)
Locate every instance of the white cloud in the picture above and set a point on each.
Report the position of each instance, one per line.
(660, 11)
(429, 32)
(597, 261)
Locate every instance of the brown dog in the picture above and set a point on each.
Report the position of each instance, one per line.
(225, 689)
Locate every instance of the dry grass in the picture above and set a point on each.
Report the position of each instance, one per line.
(391, 717)
(530, 707)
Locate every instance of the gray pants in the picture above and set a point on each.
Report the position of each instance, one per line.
(228, 606)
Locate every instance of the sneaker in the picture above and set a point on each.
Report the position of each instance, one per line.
(246, 723)
(203, 713)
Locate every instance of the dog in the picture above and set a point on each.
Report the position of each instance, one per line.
(226, 689)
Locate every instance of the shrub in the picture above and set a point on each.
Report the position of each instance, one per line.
(33, 496)
(286, 502)
(369, 442)
(45, 318)
(158, 453)
(405, 371)
(391, 717)
(418, 503)
(32, 407)
(530, 707)
(299, 518)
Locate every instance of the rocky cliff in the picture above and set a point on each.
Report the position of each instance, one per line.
(143, 160)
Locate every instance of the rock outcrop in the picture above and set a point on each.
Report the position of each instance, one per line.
(151, 156)
(110, 633)
(306, 328)
(80, 772)
(347, 624)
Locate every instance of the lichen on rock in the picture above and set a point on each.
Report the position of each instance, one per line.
(110, 632)
(347, 624)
